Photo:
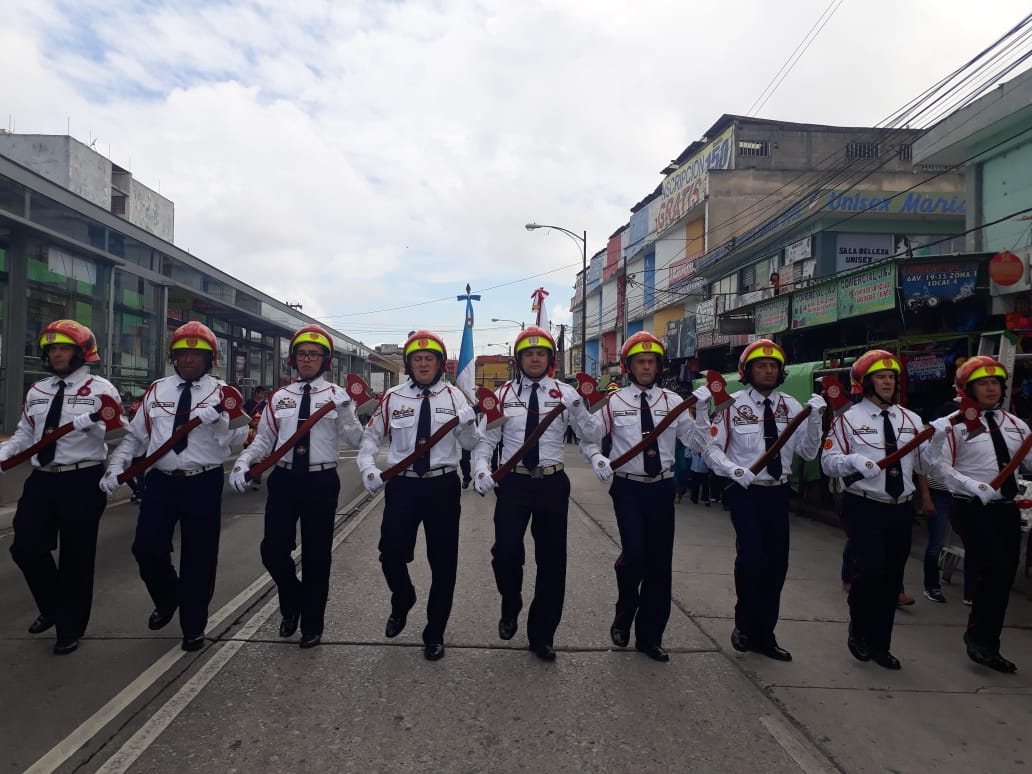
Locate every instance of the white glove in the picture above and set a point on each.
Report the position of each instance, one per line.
(82, 422)
(208, 414)
(371, 480)
(868, 468)
(482, 481)
(238, 476)
(600, 464)
(466, 414)
(941, 424)
(818, 404)
(702, 394)
(340, 398)
(743, 477)
(983, 492)
(109, 484)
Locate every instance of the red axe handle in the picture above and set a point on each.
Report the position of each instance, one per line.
(536, 433)
(277, 454)
(1012, 466)
(110, 412)
(421, 451)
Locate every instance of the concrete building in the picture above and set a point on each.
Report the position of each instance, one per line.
(81, 239)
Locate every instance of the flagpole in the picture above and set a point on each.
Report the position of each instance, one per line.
(465, 371)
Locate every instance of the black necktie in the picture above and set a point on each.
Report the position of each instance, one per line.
(422, 465)
(1009, 489)
(300, 464)
(770, 435)
(53, 420)
(653, 466)
(182, 414)
(532, 457)
(893, 472)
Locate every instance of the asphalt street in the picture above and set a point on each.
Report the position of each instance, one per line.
(129, 699)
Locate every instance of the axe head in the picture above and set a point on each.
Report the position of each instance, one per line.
(588, 389)
(233, 404)
(359, 391)
(970, 416)
(110, 413)
(487, 402)
(835, 394)
(718, 391)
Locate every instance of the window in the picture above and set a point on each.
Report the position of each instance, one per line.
(862, 150)
(753, 148)
(905, 152)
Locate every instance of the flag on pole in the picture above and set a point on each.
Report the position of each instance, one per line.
(465, 377)
(538, 307)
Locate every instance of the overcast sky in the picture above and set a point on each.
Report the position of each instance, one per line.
(361, 156)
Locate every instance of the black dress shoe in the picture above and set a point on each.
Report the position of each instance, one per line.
(41, 624)
(465, 485)
(310, 640)
(886, 660)
(1000, 664)
(191, 644)
(858, 647)
(739, 641)
(64, 647)
(544, 652)
(395, 624)
(507, 628)
(433, 651)
(655, 652)
(774, 651)
(289, 624)
(160, 618)
(619, 636)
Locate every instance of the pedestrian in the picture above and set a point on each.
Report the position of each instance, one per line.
(304, 485)
(700, 478)
(183, 487)
(60, 503)
(254, 409)
(738, 437)
(427, 491)
(256, 403)
(466, 466)
(877, 508)
(642, 492)
(536, 492)
(682, 470)
(988, 520)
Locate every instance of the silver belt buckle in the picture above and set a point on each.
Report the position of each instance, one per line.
(537, 472)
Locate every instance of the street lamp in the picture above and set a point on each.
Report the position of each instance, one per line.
(583, 239)
(514, 322)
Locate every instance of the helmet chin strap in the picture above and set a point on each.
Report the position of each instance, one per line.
(648, 386)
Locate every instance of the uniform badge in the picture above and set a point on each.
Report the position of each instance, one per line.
(713, 431)
(827, 443)
(555, 393)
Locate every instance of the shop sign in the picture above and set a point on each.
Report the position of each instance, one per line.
(856, 250)
(926, 284)
(815, 306)
(686, 186)
(682, 273)
(873, 290)
(771, 316)
(912, 203)
(798, 251)
(706, 316)
(1009, 272)
(926, 368)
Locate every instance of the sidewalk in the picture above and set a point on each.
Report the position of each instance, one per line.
(361, 702)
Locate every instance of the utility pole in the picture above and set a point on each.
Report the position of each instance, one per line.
(561, 352)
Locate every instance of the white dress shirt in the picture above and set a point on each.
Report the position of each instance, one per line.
(859, 430)
(398, 415)
(280, 420)
(958, 457)
(152, 426)
(736, 437)
(81, 396)
(512, 398)
(621, 418)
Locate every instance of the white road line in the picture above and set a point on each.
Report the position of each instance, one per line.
(89, 728)
(797, 748)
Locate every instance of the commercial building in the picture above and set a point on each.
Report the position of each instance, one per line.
(81, 238)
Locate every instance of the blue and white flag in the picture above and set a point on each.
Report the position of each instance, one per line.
(465, 373)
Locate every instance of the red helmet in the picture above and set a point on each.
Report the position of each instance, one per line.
(194, 335)
(70, 332)
(533, 336)
(871, 362)
(424, 341)
(638, 344)
(311, 334)
(979, 367)
(759, 349)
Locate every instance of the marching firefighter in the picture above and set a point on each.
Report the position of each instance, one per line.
(304, 485)
(60, 502)
(183, 487)
(427, 491)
